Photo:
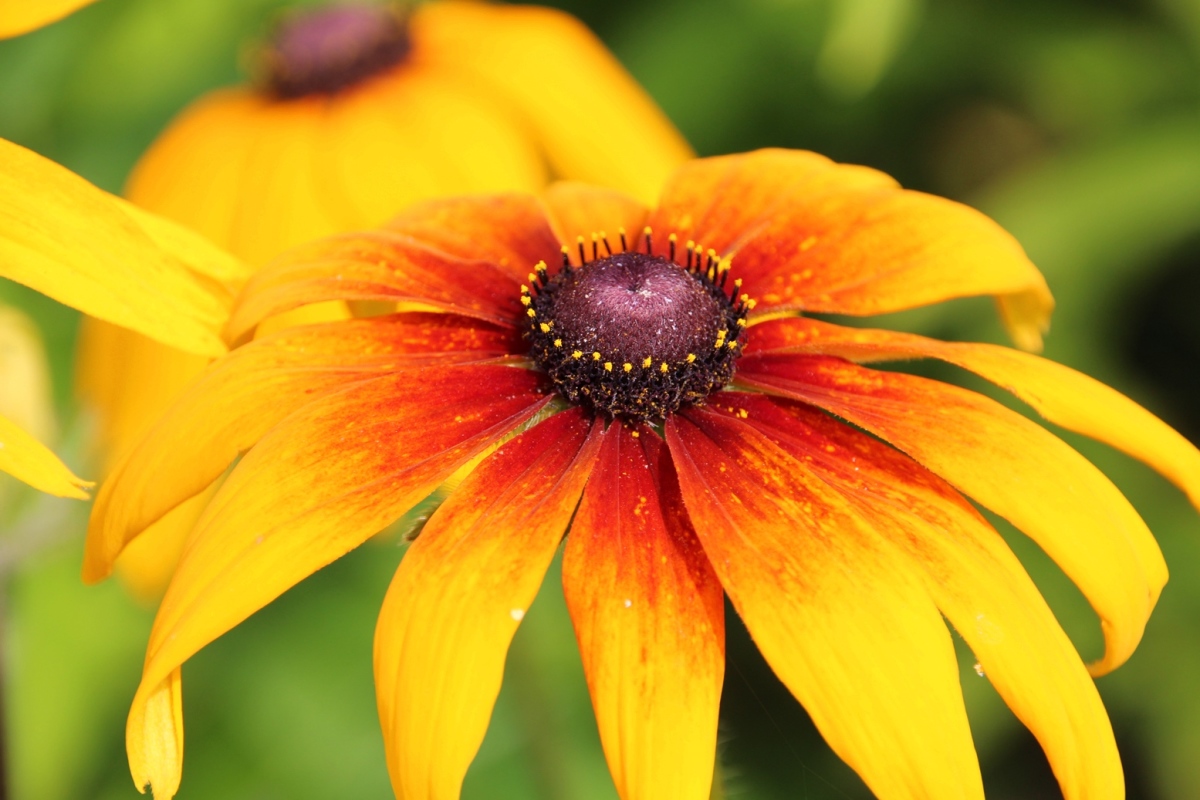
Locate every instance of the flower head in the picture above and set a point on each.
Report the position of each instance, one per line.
(608, 384)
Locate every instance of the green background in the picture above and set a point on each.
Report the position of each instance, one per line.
(1076, 124)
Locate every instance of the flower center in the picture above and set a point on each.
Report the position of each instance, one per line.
(635, 335)
(325, 50)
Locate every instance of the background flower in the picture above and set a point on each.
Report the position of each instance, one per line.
(1074, 124)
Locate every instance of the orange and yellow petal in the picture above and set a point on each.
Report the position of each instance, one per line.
(315, 487)
(1060, 394)
(858, 641)
(973, 577)
(245, 394)
(807, 234)
(591, 118)
(577, 209)
(459, 595)
(1006, 463)
(377, 265)
(649, 613)
(67, 239)
(31, 462)
(23, 16)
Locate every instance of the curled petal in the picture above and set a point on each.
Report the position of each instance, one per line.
(459, 595)
(376, 265)
(856, 639)
(649, 616)
(973, 577)
(807, 234)
(85, 248)
(243, 396)
(30, 461)
(319, 484)
(1006, 463)
(592, 119)
(1060, 394)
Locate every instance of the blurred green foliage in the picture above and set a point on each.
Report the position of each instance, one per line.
(1076, 123)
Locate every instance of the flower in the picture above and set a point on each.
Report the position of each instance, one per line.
(97, 253)
(22, 16)
(359, 111)
(650, 378)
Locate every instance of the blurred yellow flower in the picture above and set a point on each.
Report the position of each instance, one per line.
(358, 111)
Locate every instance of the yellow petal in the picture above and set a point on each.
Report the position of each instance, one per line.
(1006, 463)
(1060, 394)
(649, 615)
(154, 738)
(67, 239)
(27, 459)
(856, 639)
(973, 577)
(22, 16)
(595, 123)
(459, 595)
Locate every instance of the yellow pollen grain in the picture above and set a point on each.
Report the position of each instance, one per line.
(741, 323)
(525, 300)
(663, 367)
(647, 232)
(577, 354)
(750, 303)
(596, 356)
(608, 366)
(532, 278)
(558, 342)
(627, 367)
(634, 434)
(691, 359)
(648, 361)
(732, 343)
(531, 313)
(540, 266)
(738, 283)
(743, 413)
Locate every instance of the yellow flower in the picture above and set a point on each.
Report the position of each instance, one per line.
(92, 251)
(358, 112)
(22, 16)
(647, 377)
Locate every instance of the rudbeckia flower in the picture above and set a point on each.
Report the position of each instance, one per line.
(97, 253)
(23, 16)
(358, 111)
(651, 379)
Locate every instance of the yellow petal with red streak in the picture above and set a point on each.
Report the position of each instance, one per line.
(317, 486)
(805, 233)
(244, 395)
(973, 577)
(1060, 394)
(649, 614)
(1008, 464)
(459, 595)
(857, 640)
